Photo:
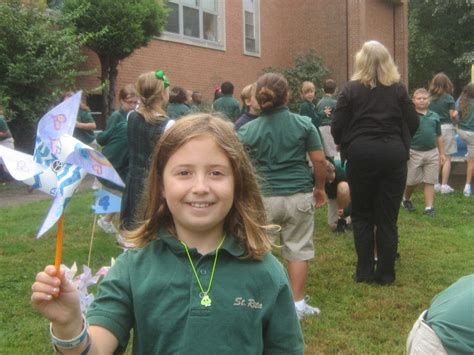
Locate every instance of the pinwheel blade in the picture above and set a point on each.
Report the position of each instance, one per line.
(21, 166)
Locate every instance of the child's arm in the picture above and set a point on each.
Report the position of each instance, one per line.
(440, 145)
(89, 126)
(453, 114)
(58, 300)
(320, 170)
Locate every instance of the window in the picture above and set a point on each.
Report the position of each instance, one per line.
(196, 22)
(251, 27)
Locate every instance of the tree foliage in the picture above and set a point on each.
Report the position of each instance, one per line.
(38, 59)
(440, 39)
(307, 66)
(114, 29)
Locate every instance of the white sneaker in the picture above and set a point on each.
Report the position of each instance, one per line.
(124, 243)
(446, 189)
(467, 190)
(107, 226)
(437, 187)
(307, 310)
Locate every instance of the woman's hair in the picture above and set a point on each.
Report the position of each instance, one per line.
(178, 95)
(467, 99)
(440, 84)
(272, 91)
(374, 64)
(247, 93)
(246, 218)
(127, 91)
(150, 90)
(307, 86)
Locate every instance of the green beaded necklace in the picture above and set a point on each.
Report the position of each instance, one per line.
(205, 299)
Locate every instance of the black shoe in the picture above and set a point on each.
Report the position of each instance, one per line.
(341, 226)
(406, 204)
(429, 212)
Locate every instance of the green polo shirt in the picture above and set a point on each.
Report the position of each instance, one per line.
(467, 121)
(153, 291)
(277, 142)
(451, 316)
(441, 105)
(115, 142)
(4, 128)
(117, 116)
(84, 135)
(175, 110)
(427, 133)
(227, 105)
(331, 188)
(307, 109)
(326, 101)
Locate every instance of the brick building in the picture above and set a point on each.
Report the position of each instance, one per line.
(207, 42)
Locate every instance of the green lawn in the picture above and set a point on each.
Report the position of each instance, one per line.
(356, 318)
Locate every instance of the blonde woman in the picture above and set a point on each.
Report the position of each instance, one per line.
(373, 124)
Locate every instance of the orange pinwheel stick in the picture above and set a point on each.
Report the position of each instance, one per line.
(59, 244)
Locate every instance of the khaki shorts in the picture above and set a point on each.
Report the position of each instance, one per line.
(295, 215)
(468, 138)
(328, 141)
(423, 340)
(423, 167)
(448, 131)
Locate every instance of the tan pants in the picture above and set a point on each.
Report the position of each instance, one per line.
(422, 340)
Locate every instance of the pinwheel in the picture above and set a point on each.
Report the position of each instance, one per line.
(59, 163)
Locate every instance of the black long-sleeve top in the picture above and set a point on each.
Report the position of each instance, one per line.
(362, 111)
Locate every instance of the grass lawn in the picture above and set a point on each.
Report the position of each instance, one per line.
(355, 318)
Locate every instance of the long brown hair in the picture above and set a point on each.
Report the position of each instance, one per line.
(440, 84)
(467, 100)
(150, 90)
(246, 218)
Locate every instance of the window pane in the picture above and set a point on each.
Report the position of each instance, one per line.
(248, 18)
(191, 22)
(173, 18)
(250, 45)
(209, 5)
(190, 2)
(249, 31)
(210, 27)
(249, 5)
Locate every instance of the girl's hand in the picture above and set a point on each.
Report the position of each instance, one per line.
(56, 298)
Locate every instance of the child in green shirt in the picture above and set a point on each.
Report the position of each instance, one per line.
(201, 279)
(466, 132)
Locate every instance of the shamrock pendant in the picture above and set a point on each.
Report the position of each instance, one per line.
(205, 301)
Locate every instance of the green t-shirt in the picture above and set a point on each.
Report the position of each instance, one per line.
(441, 105)
(341, 175)
(117, 116)
(467, 123)
(307, 109)
(227, 105)
(153, 291)
(4, 128)
(326, 101)
(277, 142)
(84, 135)
(427, 133)
(176, 111)
(451, 316)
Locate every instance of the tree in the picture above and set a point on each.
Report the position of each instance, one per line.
(308, 66)
(38, 60)
(114, 29)
(440, 39)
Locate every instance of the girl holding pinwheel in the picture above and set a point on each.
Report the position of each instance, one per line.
(145, 127)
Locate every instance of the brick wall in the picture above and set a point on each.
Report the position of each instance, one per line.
(335, 28)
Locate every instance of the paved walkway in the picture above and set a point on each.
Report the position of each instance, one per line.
(16, 193)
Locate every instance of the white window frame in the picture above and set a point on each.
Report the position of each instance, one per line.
(180, 37)
(256, 26)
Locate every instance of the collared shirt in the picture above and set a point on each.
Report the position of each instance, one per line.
(427, 133)
(441, 105)
(154, 291)
(308, 109)
(84, 135)
(175, 110)
(326, 101)
(277, 142)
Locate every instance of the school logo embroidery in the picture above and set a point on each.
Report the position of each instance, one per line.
(247, 302)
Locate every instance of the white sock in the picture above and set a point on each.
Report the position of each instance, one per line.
(300, 304)
(427, 208)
